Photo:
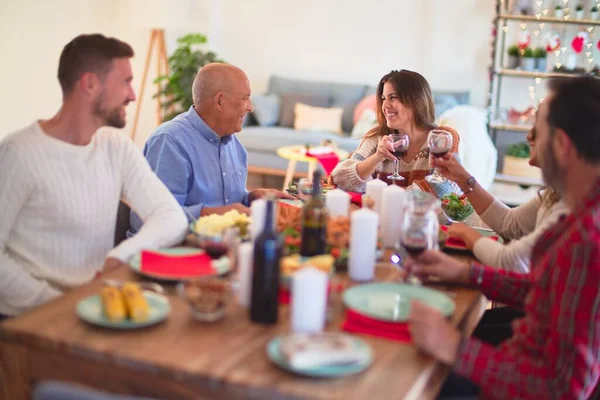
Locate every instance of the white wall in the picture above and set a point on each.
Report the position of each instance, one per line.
(360, 41)
(33, 35)
(340, 40)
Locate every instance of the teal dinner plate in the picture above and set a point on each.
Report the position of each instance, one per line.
(391, 302)
(223, 265)
(90, 310)
(325, 371)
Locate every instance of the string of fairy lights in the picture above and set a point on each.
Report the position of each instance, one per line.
(587, 36)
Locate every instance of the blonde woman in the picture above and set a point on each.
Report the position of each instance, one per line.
(523, 224)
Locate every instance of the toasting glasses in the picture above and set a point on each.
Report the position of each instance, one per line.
(439, 143)
(400, 143)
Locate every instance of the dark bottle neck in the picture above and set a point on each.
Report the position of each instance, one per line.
(268, 228)
(316, 189)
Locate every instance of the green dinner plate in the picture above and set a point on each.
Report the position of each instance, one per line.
(391, 301)
(326, 371)
(223, 265)
(90, 310)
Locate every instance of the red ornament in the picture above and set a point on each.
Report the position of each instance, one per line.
(598, 45)
(577, 44)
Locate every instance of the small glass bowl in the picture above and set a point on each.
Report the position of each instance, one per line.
(207, 298)
(462, 217)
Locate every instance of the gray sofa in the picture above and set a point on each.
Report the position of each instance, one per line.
(262, 142)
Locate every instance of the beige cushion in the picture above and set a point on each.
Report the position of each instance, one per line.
(318, 119)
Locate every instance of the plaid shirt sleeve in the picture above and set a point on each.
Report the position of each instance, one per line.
(507, 287)
(557, 358)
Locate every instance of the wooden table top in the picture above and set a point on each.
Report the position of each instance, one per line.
(187, 359)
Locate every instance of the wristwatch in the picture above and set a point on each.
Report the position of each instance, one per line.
(471, 183)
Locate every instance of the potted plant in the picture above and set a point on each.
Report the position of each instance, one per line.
(516, 161)
(558, 11)
(579, 11)
(540, 58)
(176, 88)
(513, 57)
(528, 60)
(594, 12)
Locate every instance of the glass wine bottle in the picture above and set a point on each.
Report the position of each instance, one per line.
(265, 276)
(314, 222)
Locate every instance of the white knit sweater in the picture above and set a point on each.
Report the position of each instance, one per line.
(58, 209)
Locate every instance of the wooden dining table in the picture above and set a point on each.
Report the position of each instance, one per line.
(182, 358)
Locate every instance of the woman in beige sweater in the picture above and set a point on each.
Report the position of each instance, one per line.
(523, 224)
(404, 104)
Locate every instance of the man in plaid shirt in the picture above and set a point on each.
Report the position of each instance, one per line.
(555, 348)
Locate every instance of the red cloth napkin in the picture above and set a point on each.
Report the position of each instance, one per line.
(176, 266)
(356, 198)
(284, 296)
(327, 160)
(456, 242)
(359, 323)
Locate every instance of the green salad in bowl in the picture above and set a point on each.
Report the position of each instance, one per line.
(457, 208)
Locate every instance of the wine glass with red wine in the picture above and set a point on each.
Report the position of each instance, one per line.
(439, 143)
(400, 143)
(417, 233)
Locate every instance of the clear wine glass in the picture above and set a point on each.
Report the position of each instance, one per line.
(419, 233)
(400, 143)
(439, 143)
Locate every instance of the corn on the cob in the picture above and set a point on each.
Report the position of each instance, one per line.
(135, 302)
(112, 303)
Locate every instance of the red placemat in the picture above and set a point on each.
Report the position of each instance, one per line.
(176, 265)
(356, 198)
(456, 242)
(359, 323)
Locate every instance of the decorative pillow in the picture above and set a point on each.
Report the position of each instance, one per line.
(369, 102)
(289, 101)
(266, 109)
(318, 119)
(366, 122)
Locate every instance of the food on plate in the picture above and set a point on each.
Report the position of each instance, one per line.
(303, 351)
(215, 224)
(136, 304)
(338, 231)
(207, 295)
(293, 188)
(124, 301)
(113, 304)
(456, 208)
(288, 215)
(290, 264)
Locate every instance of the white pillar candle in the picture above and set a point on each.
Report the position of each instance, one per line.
(394, 199)
(258, 209)
(363, 244)
(245, 260)
(309, 300)
(375, 191)
(337, 203)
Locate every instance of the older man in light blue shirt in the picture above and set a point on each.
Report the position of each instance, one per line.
(197, 155)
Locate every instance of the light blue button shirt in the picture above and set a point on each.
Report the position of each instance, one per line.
(199, 168)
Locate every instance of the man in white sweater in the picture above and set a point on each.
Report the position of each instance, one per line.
(61, 182)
